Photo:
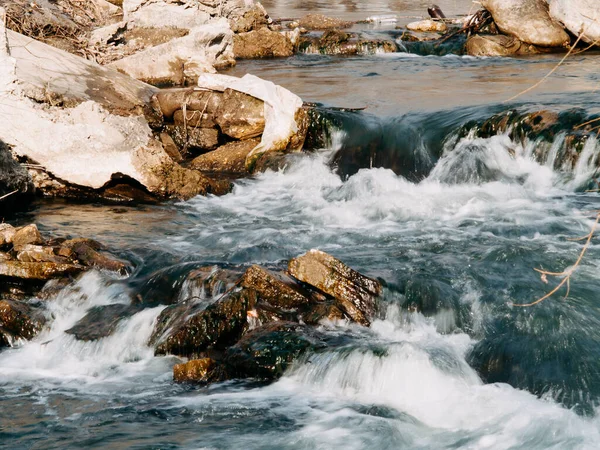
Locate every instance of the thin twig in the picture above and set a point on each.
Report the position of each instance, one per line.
(9, 194)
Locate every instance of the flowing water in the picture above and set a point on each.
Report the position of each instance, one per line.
(451, 222)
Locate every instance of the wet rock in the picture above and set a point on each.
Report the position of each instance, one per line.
(500, 45)
(335, 42)
(266, 352)
(26, 235)
(184, 331)
(578, 16)
(323, 311)
(240, 116)
(276, 289)
(37, 270)
(15, 182)
(262, 43)
(212, 281)
(205, 370)
(7, 232)
(38, 253)
(427, 26)
(87, 252)
(18, 320)
(321, 22)
(527, 20)
(180, 61)
(229, 158)
(435, 12)
(192, 138)
(355, 293)
(252, 19)
(101, 321)
(407, 36)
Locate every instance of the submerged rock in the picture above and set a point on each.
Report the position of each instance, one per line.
(18, 320)
(580, 17)
(355, 293)
(205, 370)
(335, 42)
(527, 20)
(101, 321)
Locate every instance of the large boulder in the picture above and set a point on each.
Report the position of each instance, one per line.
(15, 182)
(101, 321)
(241, 116)
(580, 17)
(527, 20)
(180, 61)
(354, 293)
(275, 289)
(229, 158)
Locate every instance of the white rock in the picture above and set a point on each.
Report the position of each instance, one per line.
(578, 16)
(183, 59)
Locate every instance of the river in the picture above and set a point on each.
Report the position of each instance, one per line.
(460, 222)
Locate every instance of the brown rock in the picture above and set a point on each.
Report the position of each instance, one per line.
(7, 232)
(189, 331)
(355, 293)
(192, 138)
(18, 320)
(28, 234)
(321, 22)
(4, 256)
(170, 147)
(499, 45)
(229, 158)
(252, 19)
(86, 251)
(262, 43)
(212, 281)
(171, 100)
(323, 311)
(427, 26)
(276, 289)
(37, 270)
(240, 116)
(195, 371)
(37, 253)
(194, 119)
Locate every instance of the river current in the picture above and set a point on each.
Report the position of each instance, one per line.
(441, 217)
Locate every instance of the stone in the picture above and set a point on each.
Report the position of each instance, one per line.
(276, 289)
(172, 100)
(212, 281)
(500, 45)
(87, 253)
(18, 320)
(37, 270)
(527, 20)
(240, 116)
(28, 234)
(321, 312)
(266, 352)
(229, 158)
(170, 147)
(194, 118)
(321, 22)
(252, 19)
(579, 17)
(196, 371)
(428, 26)
(192, 138)
(101, 321)
(182, 330)
(180, 61)
(335, 42)
(262, 43)
(7, 232)
(38, 253)
(355, 293)
(15, 182)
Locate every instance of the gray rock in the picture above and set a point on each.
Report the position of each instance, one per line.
(499, 45)
(527, 20)
(578, 16)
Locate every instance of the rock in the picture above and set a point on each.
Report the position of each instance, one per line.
(427, 26)
(180, 61)
(252, 19)
(500, 45)
(86, 251)
(101, 321)
(275, 289)
(241, 116)
(211, 281)
(184, 331)
(28, 234)
(38, 253)
(202, 100)
(407, 36)
(193, 118)
(335, 42)
(203, 370)
(435, 12)
(37, 270)
(229, 158)
(321, 22)
(18, 320)
(323, 311)
(192, 138)
(266, 352)
(355, 293)
(7, 232)
(527, 20)
(170, 147)
(262, 43)
(15, 182)
(578, 16)
(156, 14)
